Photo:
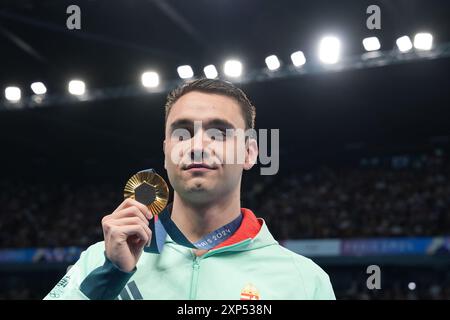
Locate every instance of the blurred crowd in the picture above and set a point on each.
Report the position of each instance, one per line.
(397, 283)
(51, 215)
(398, 291)
(405, 198)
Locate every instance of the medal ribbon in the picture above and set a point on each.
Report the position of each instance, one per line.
(163, 225)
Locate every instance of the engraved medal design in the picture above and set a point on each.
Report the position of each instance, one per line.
(148, 188)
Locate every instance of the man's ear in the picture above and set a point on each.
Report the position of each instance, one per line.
(251, 154)
(164, 151)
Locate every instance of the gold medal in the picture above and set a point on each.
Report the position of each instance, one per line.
(148, 188)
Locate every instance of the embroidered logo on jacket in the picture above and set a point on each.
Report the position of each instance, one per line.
(250, 292)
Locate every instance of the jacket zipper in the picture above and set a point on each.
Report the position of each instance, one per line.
(196, 266)
(194, 279)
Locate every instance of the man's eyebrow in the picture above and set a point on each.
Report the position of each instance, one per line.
(213, 123)
(181, 123)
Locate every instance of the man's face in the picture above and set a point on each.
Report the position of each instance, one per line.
(197, 144)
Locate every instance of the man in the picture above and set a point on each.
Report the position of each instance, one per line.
(246, 264)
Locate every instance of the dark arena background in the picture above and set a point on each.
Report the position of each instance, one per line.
(364, 140)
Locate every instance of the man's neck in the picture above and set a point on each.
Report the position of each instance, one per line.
(196, 221)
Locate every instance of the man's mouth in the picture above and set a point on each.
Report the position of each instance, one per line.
(199, 167)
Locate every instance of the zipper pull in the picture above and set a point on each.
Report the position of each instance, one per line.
(196, 263)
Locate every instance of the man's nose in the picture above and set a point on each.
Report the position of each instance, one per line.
(198, 152)
(198, 155)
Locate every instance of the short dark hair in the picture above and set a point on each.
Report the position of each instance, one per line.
(218, 87)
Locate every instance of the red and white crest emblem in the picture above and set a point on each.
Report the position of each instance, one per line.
(250, 292)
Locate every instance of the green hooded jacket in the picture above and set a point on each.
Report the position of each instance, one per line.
(250, 269)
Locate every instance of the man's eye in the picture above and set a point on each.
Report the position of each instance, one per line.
(218, 135)
(181, 135)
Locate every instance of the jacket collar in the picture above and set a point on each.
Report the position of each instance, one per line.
(252, 234)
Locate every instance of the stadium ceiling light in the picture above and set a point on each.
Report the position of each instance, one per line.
(298, 58)
(150, 79)
(185, 72)
(423, 41)
(77, 87)
(38, 88)
(272, 62)
(404, 44)
(371, 44)
(233, 68)
(210, 71)
(329, 50)
(12, 94)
